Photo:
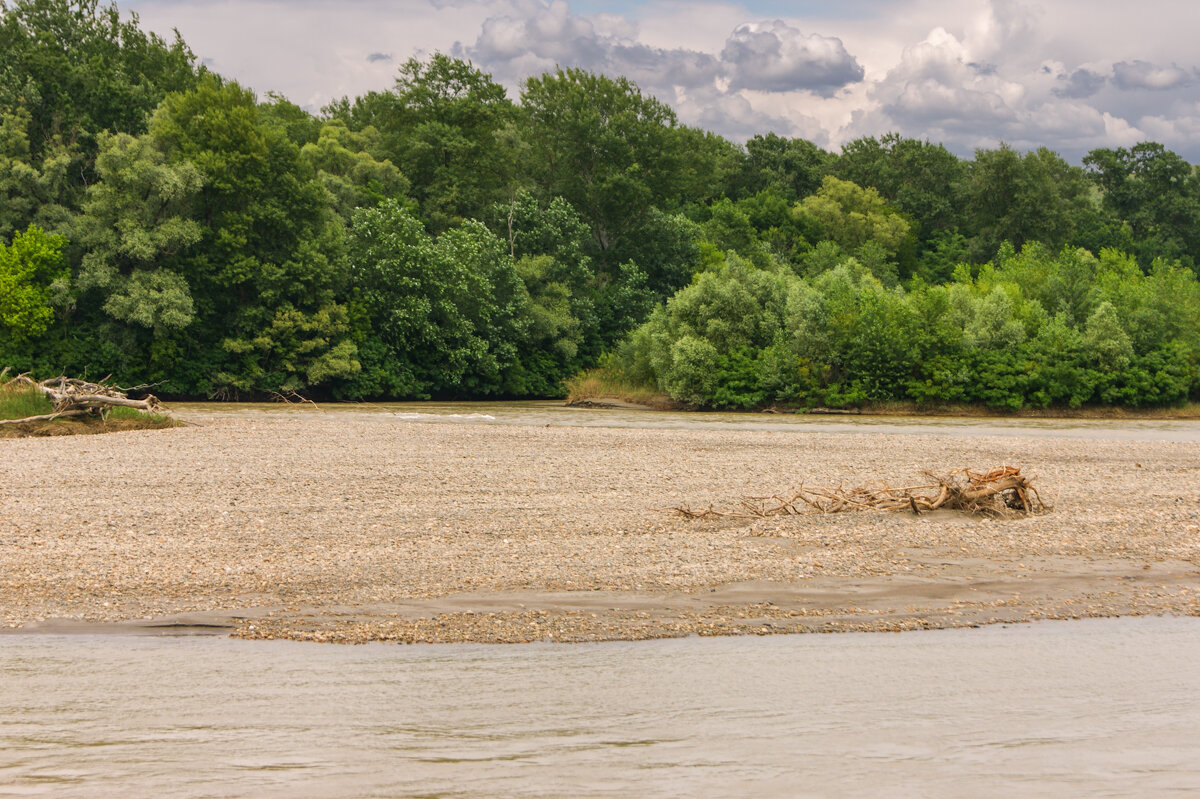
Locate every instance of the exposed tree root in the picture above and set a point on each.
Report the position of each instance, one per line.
(998, 492)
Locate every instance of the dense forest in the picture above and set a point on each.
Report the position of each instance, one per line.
(163, 224)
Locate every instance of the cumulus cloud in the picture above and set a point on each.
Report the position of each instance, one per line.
(775, 57)
(980, 86)
(704, 88)
(514, 46)
(732, 116)
(1144, 75)
(938, 86)
(1070, 75)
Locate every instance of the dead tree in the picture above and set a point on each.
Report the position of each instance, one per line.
(72, 397)
(994, 493)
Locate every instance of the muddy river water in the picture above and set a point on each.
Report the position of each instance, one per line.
(551, 413)
(1107, 707)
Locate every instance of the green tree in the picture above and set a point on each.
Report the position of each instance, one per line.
(77, 68)
(1156, 193)
(920, 179)
(792, 168)
(729, 227)
(33, 280)
(270, 251)
(1036, 196)
(606, 148)
(136, 220)
(448, 312)
(42, 193)
(859, 221)
(446, 125)
(350, 166)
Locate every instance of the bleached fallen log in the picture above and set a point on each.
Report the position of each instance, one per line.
(149, 405)
(47, 417)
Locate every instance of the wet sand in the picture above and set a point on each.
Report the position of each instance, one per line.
(349, 528)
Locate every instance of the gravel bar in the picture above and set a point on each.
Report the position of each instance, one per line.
(345, 528)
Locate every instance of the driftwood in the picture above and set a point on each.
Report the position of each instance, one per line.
(293, 398)
(73, 397)
(996, 492)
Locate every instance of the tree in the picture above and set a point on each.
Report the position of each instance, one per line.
(135, 222)
(41, 193)
(918, 178)
(1154, 192)
(445, 125)
(33, 280)
(447, 311)
(793, 168)
(859, 221)
(77, 68)
(348, 163)
(1032, 197)
(268, 267)
(606, 148)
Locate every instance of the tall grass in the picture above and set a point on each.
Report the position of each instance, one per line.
(21, 401)
(17, 402)
(608, 383)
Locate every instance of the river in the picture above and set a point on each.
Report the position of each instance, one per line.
(553, 413)
(1105, 707)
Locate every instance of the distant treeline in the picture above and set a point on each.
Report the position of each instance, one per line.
(164, 225)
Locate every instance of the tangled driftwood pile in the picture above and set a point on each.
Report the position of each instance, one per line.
(997, 492)
(72, 397)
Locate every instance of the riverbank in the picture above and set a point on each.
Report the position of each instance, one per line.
(351, 528)
(665, 403)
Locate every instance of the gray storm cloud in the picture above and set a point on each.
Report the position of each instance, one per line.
(775, 57)
(1080, 83)
(1144, 75)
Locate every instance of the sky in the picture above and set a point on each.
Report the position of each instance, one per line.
(1071, 75)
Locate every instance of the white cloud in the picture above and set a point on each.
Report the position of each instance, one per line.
(775, 57)
(1070, 75)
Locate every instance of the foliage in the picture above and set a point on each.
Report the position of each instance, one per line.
(135, 220)
(32, 282)
(1019, 335)
(609, 150)
(350, 166)
(1156, 193)
(447, 311)
(437, 239)
(76, 68)
(1035, 196)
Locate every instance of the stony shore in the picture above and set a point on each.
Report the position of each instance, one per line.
(357, 527)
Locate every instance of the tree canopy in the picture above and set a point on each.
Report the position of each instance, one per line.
(439, 238)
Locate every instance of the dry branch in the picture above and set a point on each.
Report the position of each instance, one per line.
(293, 398)
(46, 417)
(996, 492)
